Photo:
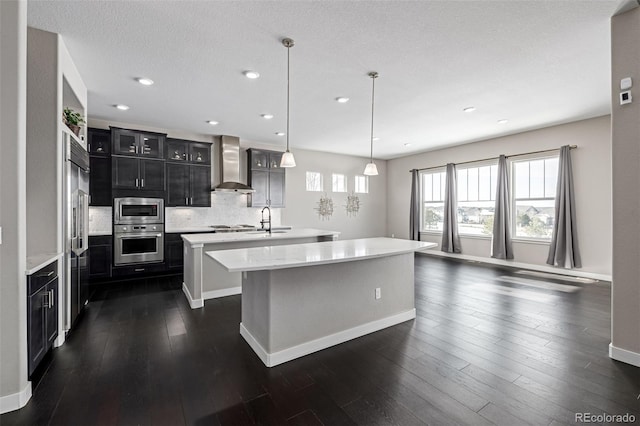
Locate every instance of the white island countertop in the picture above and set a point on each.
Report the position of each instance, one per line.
(321, 253)
(228, 237)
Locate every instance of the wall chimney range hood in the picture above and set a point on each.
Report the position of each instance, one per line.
(229, 165)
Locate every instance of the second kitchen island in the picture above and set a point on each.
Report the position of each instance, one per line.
(205, 279)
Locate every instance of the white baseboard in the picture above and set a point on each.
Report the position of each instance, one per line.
(306, 348)
(62, 335)
(624, 355)
(15, 401)
(194, 303)
(214, 294)
(521, 265)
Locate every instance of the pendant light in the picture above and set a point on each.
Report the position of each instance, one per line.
(371, 169)
(287, 158)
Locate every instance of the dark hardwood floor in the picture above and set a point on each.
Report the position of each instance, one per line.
(489, 346)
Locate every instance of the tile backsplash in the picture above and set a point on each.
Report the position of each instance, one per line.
(226, 209)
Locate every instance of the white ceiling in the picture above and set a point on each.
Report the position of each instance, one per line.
(535, 63)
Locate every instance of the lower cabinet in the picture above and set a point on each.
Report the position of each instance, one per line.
(42, 308)
(100, 255)
(173, 252)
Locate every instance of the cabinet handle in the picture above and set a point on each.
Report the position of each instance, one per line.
(142, 183)
(138, 270)
(45, 301)
(186, 201)
(191, 201)
(137, 183)
(48, 274)
(191, 157)
(50, 299)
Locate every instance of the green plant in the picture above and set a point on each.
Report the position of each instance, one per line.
(73, 118)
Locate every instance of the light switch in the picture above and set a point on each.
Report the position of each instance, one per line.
(626, 83)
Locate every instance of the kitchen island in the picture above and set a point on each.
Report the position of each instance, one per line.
(206, 279)
(299, 299)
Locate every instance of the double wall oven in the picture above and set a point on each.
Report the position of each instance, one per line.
(138, 230)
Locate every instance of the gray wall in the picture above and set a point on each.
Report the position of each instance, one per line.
(625, 55)
(592, 174)
(13, 75)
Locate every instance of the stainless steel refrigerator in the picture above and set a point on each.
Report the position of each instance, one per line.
(76, 205)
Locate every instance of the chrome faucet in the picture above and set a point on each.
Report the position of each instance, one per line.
(262, 222)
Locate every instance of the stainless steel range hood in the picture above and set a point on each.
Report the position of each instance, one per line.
(229, 165)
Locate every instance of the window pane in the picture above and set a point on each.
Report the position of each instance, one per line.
(427, 187)
(432, 216)
(436, 187)
(550, 177)
(484, 189)
(534, 219)
(521, 171)
(472, 194)
(443, 184)
(475, 217)
(536, 179)
(462, 185)
(314, 181)
(494, 181)
(338, 183)
(362, 184)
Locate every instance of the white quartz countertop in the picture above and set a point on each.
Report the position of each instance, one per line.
(227, 237)
(321, 253)
(184, 229)
(37, 262)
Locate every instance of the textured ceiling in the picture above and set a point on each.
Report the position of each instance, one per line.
(535, 63)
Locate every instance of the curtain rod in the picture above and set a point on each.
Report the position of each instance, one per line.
(495, 158)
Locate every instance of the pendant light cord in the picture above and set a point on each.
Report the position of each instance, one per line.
(288, 71)
(373, 76)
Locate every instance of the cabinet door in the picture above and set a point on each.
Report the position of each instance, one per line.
(274, 160)
(151, 146)
(276, 189)
(200, 190)
(152, 175)
(177, 150)
(100, 181)
(125, 173)
(259, 181)
(99, 141)
(99, 260)
(51, 313)
(177, 184)
(200, 153)
(125, 142)
(258, 160)
(174, 251)
(37, 344)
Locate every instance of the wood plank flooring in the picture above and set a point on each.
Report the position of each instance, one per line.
(486, 348)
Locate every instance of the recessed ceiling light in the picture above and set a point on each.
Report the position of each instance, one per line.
(503, 121)
(407, 144)
(122, 107)
(376, 139)
(280, 134)
(469, 109)
(342, 100)
(251, 74)
(267, 116)
(145, 81)
(212, 122)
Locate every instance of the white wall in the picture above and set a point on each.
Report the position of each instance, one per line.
(371, 221)
(591, 171)
(14, 387)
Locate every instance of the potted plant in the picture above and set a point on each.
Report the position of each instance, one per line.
(73, 120)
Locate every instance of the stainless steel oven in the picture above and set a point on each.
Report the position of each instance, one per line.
(137, 211)
(138, 244)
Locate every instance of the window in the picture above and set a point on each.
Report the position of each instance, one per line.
(362, 184)
(314, 181)
(338, 183)
(432, 185)
(476, 199)
(534, 189)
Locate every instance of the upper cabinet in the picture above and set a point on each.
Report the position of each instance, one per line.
(187, 151)
(266, 177)
(99, 145)
(99, 141)
(137, 144)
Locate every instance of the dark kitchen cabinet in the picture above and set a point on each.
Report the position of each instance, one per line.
(173, 252)
(99, 142)
(137, 144)
(179, 150)
(100, 255)
(267, 178)
(200, 186)
(137, 174)
(100, 180)
(188, 185)
(42, 308)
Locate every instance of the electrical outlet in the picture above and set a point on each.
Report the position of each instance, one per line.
(378, 293)
(393, 235)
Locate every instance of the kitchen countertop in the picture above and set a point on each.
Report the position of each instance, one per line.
(226, 237)
(37, 262)
(321, 253)
(99, 233)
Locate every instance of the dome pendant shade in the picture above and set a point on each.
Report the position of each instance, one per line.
(287, 160)
(371, 169)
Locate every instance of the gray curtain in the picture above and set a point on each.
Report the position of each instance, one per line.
(414, 210)
(564, 250)
(450, 237)
(501, 245)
